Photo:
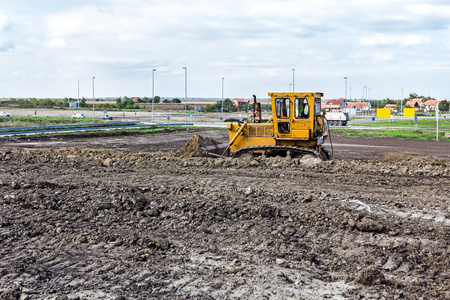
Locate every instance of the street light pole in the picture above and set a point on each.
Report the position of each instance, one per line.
(153, 95)
(222, 96)
(185, 96)
(78, 98)
(93, 100)
(401, 104)
(345, 88)
(364, 102)
(293, 80)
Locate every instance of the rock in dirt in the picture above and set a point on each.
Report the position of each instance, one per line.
(370, 276)
(248, 191)
(107, 162)
(310, 161)
(369, 225)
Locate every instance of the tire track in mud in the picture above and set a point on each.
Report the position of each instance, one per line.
(142, 226)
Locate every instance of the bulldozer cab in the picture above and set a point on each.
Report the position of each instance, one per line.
(294, 115)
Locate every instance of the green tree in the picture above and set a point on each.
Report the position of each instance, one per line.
(119, 103)
(157, 99)
(127, 103)
(47, 102)
(175, 100)
(166, 101)
(227, 106)
(444, 105)
(83, 102)
(413, 95)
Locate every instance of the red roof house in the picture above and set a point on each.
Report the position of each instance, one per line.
(431, 104)
(359, 105)
(335, 105)
(416, 102)
(236, 102)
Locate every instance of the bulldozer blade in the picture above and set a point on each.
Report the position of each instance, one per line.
(214, 151)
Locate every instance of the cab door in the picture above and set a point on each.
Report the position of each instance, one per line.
(282, 116)
(301, 125)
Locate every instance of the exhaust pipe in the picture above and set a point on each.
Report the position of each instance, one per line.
(256, 111)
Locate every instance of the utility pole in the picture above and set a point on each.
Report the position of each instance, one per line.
(293, 80)
(222, 96)
(401, 104)
(345, 89)
(153, 95)
(185, 96)
(78, 98)
(93, 100)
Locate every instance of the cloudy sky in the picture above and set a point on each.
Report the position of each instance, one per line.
(47, 46)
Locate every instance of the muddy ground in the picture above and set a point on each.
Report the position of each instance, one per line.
(112, 218)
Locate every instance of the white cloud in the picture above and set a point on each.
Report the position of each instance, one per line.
(5, 23)
(383, 56)
(56, 43)
(390, 40)
(64, 25)
(429, 10)
(253, 44)
(5, 26)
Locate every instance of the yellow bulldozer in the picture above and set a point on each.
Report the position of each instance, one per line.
(297, 128)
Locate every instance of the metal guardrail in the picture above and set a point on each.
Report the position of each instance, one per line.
(80, 127)
(67, 126)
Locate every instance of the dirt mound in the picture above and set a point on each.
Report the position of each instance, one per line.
(192, 146)
(407, 158)
(396, 157)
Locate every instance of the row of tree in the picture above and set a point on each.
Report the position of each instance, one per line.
(227, 106)
(33, 102)
(121, 103)
(443, 105)
(128, 103)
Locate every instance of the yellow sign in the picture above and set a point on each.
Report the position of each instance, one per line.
(409, 112)
(383, 113)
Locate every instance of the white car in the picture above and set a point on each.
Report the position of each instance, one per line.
(78, 116)
(4, 114)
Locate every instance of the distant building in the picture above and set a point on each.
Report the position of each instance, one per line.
(359, 106)
(135, 99)
(416, 102)
(431, 104)
(390, 106)
(236, 102)
(336, 105)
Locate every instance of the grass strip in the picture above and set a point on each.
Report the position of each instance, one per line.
(423, 135)
(421, 123)
(41, 121)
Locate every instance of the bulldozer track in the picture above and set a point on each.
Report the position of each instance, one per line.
(294, 151)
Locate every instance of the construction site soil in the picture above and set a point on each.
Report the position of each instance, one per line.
(135, 218)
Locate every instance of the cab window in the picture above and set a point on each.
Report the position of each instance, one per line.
(301, 108)
(318, 108)
(282, 107)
